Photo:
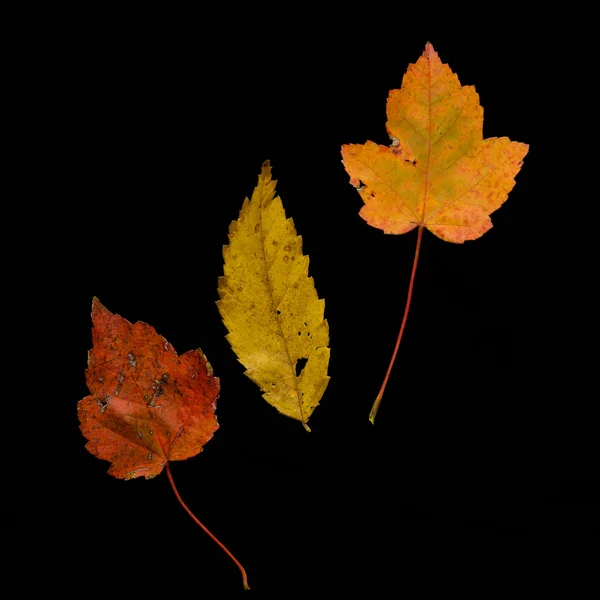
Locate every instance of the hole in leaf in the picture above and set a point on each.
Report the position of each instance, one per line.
(300, 365)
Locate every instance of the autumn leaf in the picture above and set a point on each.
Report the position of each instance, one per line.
(438, 173)
(147, 405)
(270, 306)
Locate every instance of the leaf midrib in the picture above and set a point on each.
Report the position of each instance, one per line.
(274, 309)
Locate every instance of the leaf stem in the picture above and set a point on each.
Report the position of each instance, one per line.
(239, 566)
(377, 402)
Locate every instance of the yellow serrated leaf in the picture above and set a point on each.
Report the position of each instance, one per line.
(270, 306)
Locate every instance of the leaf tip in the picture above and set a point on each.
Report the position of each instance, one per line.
(266, 168)
(429, 50)
(98, 308)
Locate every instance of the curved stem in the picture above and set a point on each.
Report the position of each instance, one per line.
(377, 402)
(233, 558)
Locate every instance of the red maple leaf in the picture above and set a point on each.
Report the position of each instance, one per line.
(147, 405)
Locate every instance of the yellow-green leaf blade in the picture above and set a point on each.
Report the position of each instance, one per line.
(270, 306)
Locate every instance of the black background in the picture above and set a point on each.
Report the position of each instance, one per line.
(479, 473)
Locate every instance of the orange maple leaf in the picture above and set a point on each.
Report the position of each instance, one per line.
(439, 173)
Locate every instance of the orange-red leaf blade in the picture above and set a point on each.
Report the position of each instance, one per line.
(147, 404)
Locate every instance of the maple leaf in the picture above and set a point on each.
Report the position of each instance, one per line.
(270, 306)
(147, 405)
(439, 173)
